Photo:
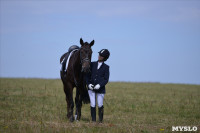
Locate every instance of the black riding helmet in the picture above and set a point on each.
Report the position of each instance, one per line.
(104, 53)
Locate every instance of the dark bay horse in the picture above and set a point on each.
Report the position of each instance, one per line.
(79, 65)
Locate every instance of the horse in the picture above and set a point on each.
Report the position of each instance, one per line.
(78, 67)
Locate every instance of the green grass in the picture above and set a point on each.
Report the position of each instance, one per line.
(38, 105)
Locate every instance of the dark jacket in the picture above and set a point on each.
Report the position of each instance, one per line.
(100, 76)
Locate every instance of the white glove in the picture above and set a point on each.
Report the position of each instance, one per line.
(97, 87)
(91, 86)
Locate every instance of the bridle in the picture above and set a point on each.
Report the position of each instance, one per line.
(86, 59)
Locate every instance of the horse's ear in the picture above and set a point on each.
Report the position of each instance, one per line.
(81, 41)
(92, 43)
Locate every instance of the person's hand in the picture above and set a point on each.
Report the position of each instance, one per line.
(97, 87)
(91, 86)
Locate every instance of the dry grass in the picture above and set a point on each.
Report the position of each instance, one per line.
(38, 105)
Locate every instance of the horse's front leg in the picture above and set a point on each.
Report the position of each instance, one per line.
(78, 102)
(70, 103)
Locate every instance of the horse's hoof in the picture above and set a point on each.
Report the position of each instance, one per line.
(68, 116)
(71, 119)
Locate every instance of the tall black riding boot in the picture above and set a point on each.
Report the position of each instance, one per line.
(101, 110)
(93, 113)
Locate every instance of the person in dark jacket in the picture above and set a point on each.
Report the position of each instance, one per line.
(96, 82)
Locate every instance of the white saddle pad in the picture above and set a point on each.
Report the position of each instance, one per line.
(67, 62)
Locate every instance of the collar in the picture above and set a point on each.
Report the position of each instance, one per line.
(99, 64)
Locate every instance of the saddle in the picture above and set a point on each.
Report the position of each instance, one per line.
(64, 60)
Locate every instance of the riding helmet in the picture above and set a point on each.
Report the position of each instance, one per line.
(73, 47)
(104, 53)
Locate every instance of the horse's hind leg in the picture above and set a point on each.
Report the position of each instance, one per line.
(78, 102)
(69, 99)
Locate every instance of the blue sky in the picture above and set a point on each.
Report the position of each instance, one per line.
(149, 41)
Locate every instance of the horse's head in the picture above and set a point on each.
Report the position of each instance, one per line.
(86, 55)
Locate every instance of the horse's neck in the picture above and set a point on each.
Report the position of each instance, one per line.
(77, 61)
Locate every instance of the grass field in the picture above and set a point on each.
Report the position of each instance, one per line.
(38, 105)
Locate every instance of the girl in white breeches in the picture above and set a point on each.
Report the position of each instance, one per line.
(93, 96)
(96, 82)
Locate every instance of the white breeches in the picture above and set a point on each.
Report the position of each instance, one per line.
(93, 95)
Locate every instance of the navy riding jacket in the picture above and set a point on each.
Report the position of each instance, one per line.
(98, 76)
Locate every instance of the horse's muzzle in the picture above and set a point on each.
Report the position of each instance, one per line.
(85, 69)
